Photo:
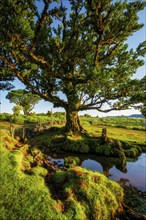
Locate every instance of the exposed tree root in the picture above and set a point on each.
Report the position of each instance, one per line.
(130, 214)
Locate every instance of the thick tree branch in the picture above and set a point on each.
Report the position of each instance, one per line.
(41, 21)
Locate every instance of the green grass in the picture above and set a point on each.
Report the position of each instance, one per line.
(124, 134)
(129, 142)
(121, 122)
(64, 195)
(112, 132)
(6, 125)
(118, 133)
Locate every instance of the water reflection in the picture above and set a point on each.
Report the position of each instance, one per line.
(133, 172)
(92, 165)
(136, 173)
(103, 165)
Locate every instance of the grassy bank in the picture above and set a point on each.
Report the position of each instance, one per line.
(31, 191)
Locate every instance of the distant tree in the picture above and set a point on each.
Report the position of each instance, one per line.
(24, 99)
(87, 115)
(73, 53)
(59, 114)
(49, 113)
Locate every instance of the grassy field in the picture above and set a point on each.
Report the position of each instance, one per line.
(6, 125)
(118, 133)
(122, 134)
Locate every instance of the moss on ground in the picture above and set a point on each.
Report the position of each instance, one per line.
(57, 141)
(62, 195)
(88, 195)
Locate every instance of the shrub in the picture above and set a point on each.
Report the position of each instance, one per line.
(5, 117)
(18, 120)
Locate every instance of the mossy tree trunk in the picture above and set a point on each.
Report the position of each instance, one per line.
(73, 122)
(104, 135)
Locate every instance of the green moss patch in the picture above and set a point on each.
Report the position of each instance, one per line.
(71, 161)
(56, 140)
(87, 195)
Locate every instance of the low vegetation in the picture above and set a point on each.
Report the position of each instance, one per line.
(68, 193)
(29, 190)
(39, 129)
(86, 120)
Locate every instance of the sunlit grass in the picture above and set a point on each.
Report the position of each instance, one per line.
(119, 133)
(112, 132)
(65, 195)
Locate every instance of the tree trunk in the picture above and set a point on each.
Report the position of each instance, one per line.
(104, 135)
(73, 122)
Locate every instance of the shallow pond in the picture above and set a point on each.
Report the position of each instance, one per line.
(134, 173)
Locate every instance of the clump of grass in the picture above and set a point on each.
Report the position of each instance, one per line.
(71, 161)
(88, 195)
(133, 152)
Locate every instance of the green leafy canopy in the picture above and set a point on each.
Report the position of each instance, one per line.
(23, 99)
(73, 53)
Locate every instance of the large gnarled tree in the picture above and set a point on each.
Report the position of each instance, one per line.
(73, 53)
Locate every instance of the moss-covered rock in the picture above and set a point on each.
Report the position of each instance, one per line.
(77, 145)
(133, 152)
(88, 195)
(71, 161)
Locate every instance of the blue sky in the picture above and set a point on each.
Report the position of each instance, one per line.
(44, 106)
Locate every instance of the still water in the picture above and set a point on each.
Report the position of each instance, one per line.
(133, 174)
